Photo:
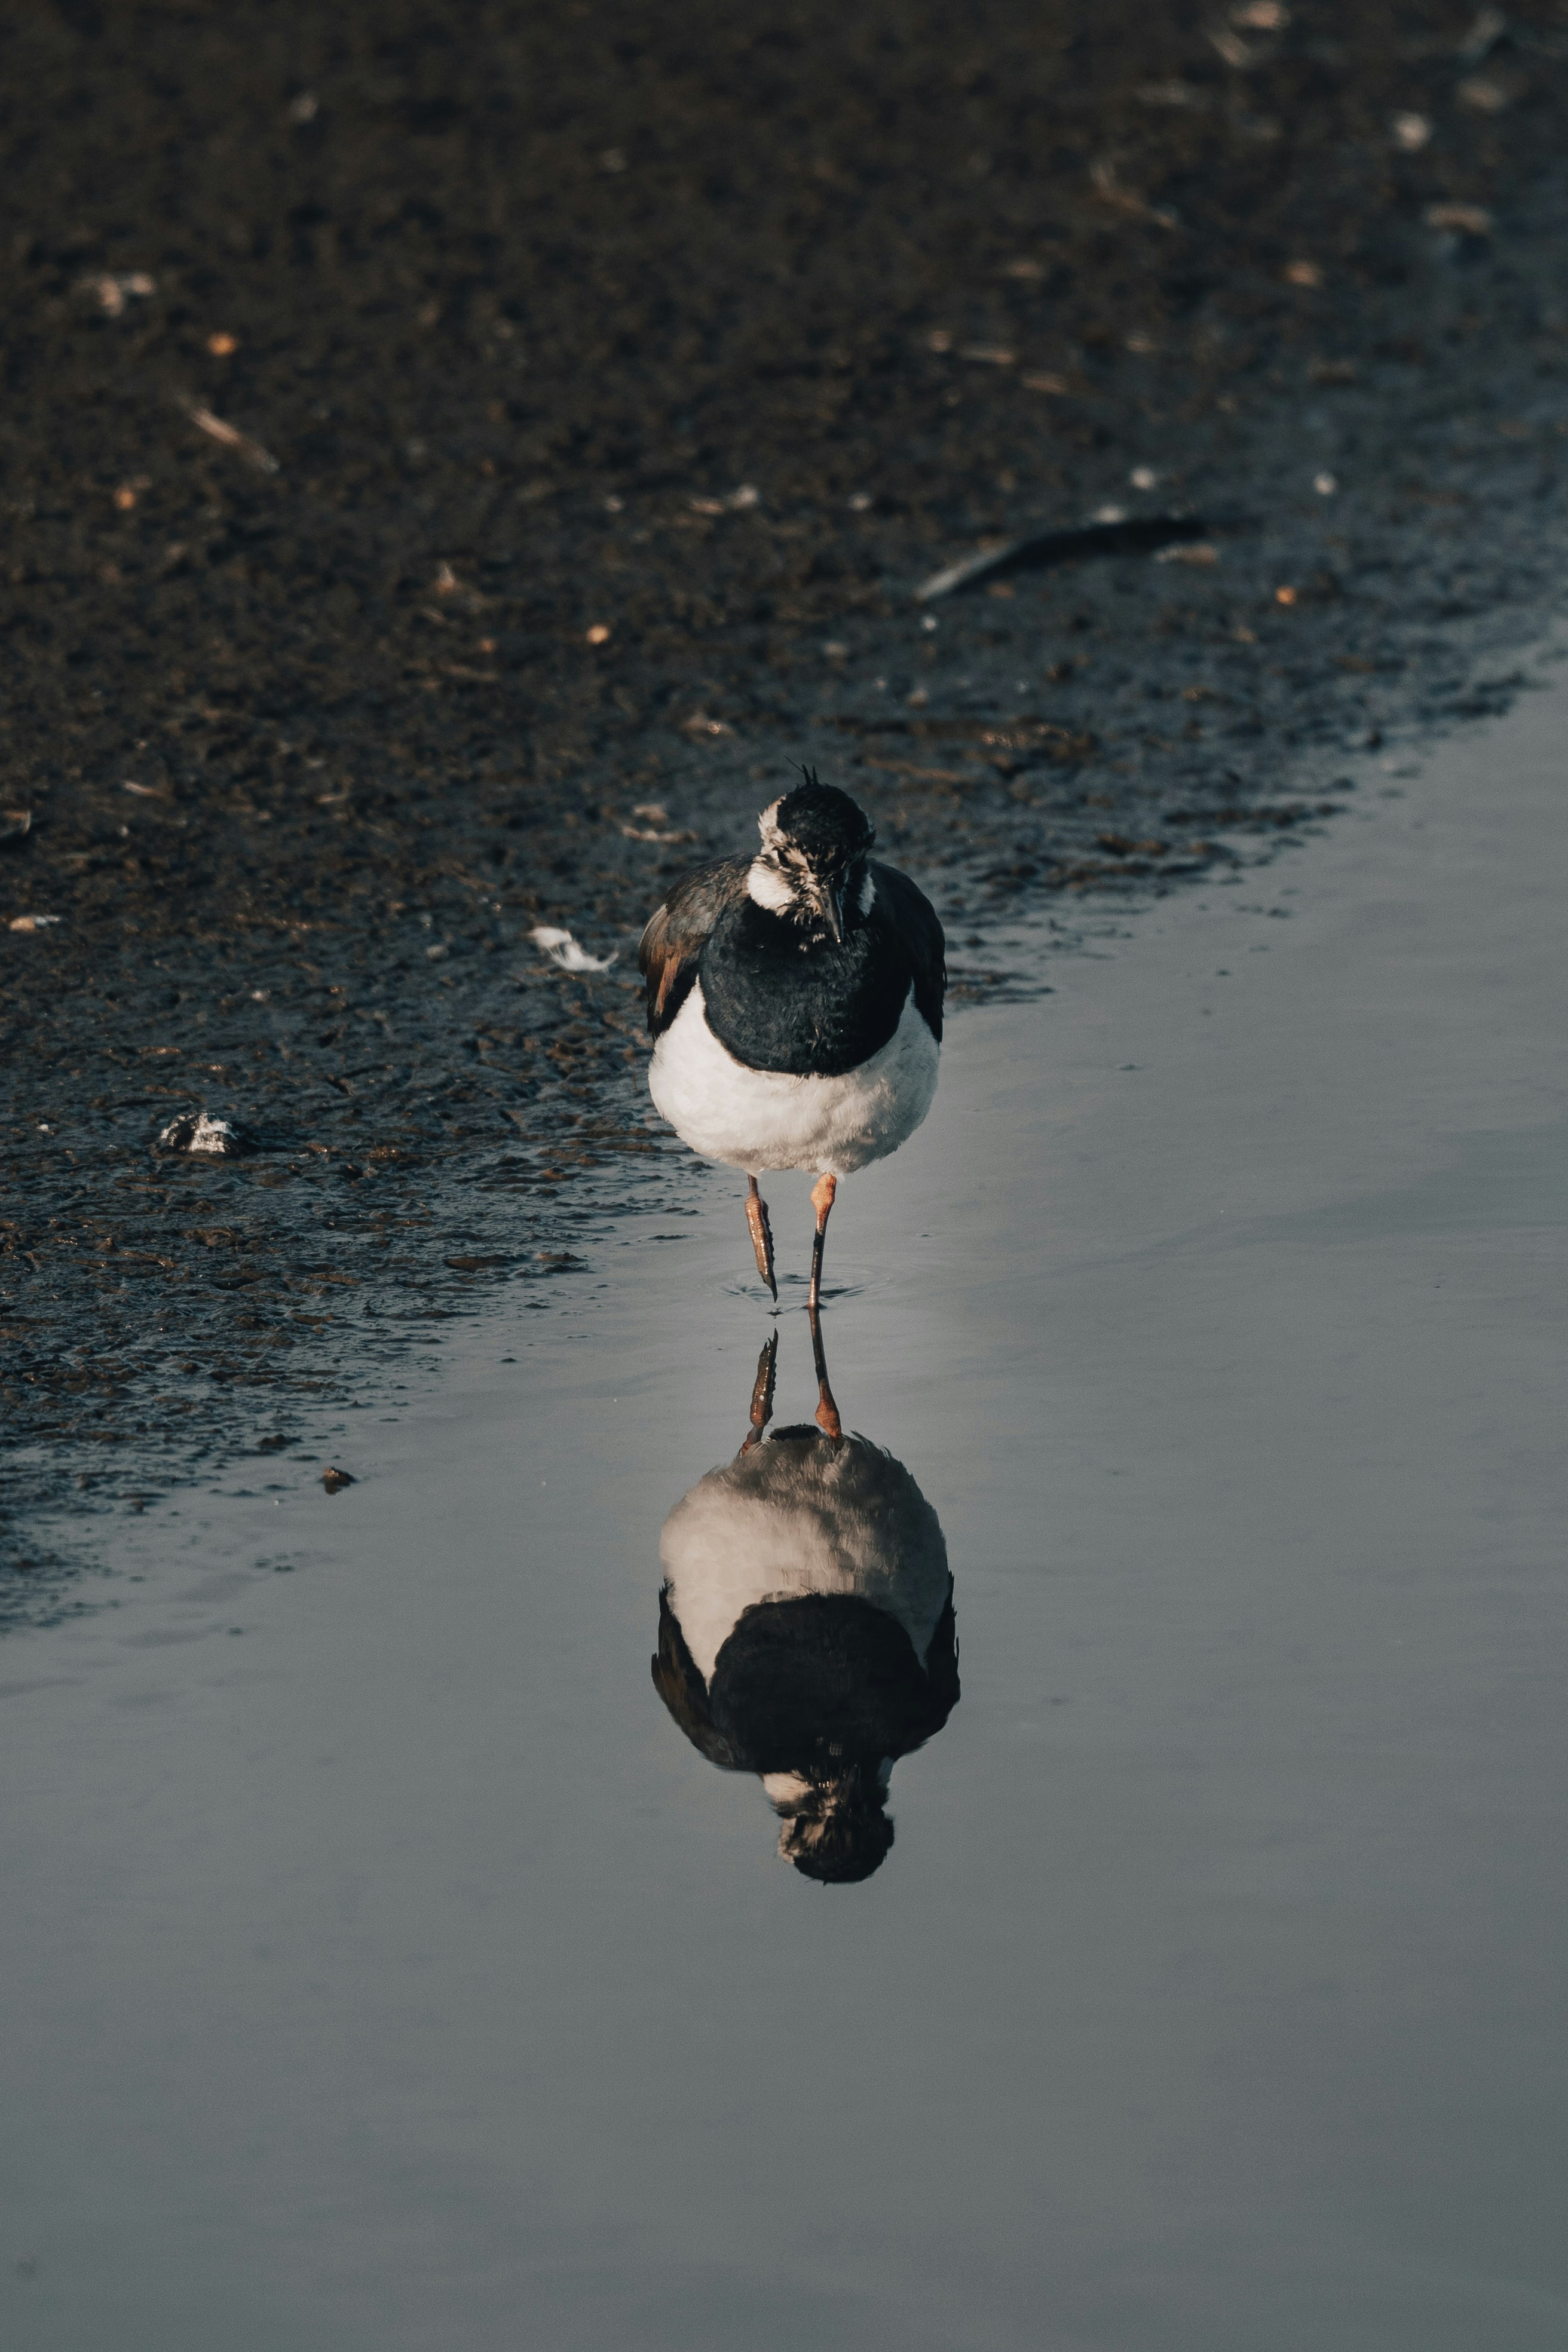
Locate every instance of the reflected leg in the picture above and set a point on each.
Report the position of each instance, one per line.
(762, 1233)
(827, 1419)
(822, 1196)
(762, 1393)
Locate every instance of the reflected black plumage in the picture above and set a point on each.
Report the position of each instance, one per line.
(804, 1683)
(795, 1002)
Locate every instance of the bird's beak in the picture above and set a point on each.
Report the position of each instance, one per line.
(833, 910)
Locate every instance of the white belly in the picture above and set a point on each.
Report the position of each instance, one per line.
(757, 1119)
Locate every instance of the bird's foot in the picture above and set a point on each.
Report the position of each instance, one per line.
(762, 1393)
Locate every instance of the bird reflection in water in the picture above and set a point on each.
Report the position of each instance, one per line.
(805, 1626)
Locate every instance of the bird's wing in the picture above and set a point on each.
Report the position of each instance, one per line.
(909, 915)
(683, 1691)
(941, 1663)
(678, 933)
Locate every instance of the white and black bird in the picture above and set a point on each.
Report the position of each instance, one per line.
(795, 999)
(807, 1629)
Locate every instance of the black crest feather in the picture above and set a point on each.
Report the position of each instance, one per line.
(824, 823)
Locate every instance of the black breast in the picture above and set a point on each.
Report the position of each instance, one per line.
(801, 1684)
(779, 1000)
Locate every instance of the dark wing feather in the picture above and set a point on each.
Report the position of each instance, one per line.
(678, 933)
(941, 1663)
(683, 1691)
(909, 913)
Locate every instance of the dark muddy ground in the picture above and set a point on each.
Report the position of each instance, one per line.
(599, 384)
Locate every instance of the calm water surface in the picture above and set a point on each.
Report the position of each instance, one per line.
(404, 1972)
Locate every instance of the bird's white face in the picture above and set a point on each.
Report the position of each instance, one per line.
(785, 880)
(789, 1793)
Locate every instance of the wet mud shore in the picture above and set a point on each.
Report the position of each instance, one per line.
(455, 465)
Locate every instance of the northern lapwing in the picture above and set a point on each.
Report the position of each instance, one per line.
(805, 1627)
(795, 1000)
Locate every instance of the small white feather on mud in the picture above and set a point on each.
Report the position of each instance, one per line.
(562, 949)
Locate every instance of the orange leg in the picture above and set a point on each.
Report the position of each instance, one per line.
(827, 1419)
(762, 1393)
(762, 1235)
(821, 1197)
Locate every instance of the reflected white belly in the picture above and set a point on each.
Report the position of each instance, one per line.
(757, 1119)
(791, 1518)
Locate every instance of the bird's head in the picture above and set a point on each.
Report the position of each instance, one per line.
(811, 867)
(836, 1825)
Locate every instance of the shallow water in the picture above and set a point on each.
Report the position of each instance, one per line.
(395, 1975)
